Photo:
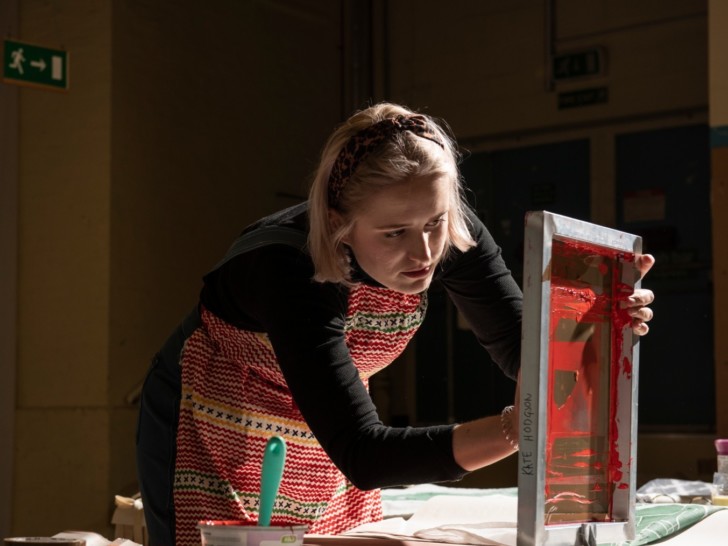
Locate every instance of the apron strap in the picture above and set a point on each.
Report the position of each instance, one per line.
(266, 235)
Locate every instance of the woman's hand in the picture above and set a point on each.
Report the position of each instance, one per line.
(639, 300)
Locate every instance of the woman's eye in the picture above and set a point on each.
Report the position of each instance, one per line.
(435, 223)
(393, 234)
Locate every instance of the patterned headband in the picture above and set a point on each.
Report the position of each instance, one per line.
(366, 141)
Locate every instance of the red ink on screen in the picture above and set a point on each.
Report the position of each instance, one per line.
(627, 367)
(585, 360)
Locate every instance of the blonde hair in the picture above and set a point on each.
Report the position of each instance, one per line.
(400, 157)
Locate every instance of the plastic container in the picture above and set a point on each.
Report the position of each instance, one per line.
(241, 533)
(721, 447)
(720, 478)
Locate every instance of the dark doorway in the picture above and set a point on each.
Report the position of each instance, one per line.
(663, 194)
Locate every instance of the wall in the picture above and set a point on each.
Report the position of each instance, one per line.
(483, 66)
(183, 123)
(62, 416)
(8, 274)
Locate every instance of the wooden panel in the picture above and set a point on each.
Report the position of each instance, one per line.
(719, 204)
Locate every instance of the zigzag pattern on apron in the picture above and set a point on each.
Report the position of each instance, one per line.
(223, 426)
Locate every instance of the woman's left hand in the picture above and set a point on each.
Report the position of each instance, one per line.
(639, 300)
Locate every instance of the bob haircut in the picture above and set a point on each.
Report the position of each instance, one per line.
(397, 158)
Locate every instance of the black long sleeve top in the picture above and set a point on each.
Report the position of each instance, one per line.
(270, 289)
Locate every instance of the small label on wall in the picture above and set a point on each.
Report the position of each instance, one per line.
(583, 97)
(719, 137)
(644, 205)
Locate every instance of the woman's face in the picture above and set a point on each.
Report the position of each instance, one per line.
(400, 231)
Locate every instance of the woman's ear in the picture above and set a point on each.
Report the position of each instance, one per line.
(336, 221)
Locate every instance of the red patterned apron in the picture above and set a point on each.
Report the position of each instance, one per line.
(234, 398)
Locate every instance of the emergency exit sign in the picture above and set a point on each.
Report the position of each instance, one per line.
(28, 64)
(578, 64)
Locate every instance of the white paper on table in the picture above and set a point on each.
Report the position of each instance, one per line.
(95, 539)
(487, 520)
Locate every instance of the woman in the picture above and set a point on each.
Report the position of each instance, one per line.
(306, 306)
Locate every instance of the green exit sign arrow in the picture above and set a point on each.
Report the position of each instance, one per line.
(28, 64)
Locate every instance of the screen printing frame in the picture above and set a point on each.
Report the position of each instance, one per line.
(541, 229)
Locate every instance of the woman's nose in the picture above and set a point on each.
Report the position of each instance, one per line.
(419, 248)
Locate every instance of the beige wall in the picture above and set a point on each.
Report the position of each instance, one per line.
(8, 275)
(718, 63)
(187, 120)
(481, 66)
(718, 78)
(62, 416)
(182, 124)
